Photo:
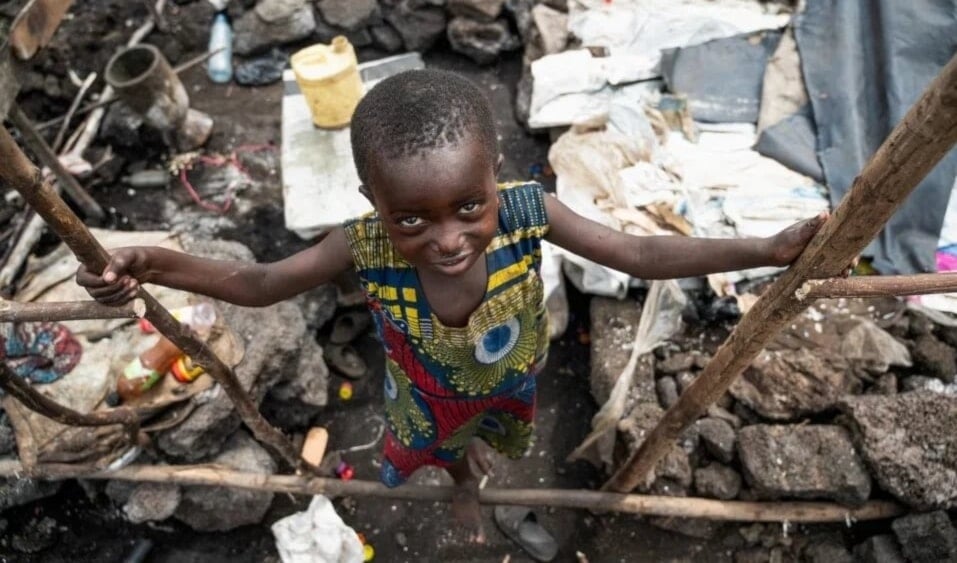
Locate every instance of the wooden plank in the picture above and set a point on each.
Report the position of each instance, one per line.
(879, 286)
(35, 25)
(219, 476)
(913, 148)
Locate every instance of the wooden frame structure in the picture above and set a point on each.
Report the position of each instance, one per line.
(914, 147)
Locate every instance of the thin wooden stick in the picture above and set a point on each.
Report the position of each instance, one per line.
(879, 286)
(49, 159)
(36, 401)
(913, 148)
(17, 312)
(18, 173)
(58, 140)
(219, 476)
(157, 15)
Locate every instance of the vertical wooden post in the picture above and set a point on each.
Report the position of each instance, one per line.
(913, 148)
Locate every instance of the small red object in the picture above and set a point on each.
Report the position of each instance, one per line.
(345, 471)
(362, 538)
(146, 327)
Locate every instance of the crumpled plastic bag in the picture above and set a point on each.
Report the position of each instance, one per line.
(660, 320)
(317, 535)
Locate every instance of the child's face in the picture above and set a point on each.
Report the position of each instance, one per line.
(439, 208)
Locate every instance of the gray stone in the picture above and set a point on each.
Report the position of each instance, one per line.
(210, 509)
(885, 385)
(419, 27)
(667, 391)
(878, 549)
(152, 502)
(673, 475)
(934, 358)
(325, 32)
(318, 305)
(349, 14)
(826, 551)
(294, 401)
(718, 438)
(684, 379)
(786, 384)
(482, 42)
(909, 443)
(715, 411)
(480, 10)
(918, 383)
(521, 12)
(699, 528)
(928, 537)
(717, 481)
(809, 462)
(550, 29)
(285, 21)
(119, 491)
(613, 326)
(273, 11)
(16, 492)
(676, 363)
(274, 338)
(385, 37)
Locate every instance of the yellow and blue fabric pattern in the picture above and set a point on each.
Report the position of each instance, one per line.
(445, 385)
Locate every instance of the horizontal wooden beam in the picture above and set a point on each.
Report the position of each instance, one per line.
(218, 476)
(59, 311)
(879, 286)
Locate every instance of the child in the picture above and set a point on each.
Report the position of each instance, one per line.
(449, 261)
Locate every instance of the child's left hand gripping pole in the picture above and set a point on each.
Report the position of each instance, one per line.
(17, 172)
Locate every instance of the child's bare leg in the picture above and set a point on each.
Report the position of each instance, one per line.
(467, 474)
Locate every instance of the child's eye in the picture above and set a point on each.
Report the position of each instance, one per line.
(470, 207)
(410, 221)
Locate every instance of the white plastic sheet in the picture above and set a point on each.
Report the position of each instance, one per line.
(660, 320)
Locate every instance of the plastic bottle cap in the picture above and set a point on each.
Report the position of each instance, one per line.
(345, 391)
(368, 552)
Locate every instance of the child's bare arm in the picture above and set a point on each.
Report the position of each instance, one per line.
(666, 257)
(243, 283)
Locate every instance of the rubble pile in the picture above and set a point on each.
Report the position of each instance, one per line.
(817, 416)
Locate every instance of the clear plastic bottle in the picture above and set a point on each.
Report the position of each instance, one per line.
(220, 66)
(146, 369)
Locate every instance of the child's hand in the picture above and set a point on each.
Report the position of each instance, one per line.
(121, 278)
(786, 246)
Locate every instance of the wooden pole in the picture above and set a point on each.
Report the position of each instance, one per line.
(16, 312)
(32, 139)
(219, 476)
(879, 286)
(18, 173)
(913, 148)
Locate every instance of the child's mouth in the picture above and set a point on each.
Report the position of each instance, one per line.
(451, 263)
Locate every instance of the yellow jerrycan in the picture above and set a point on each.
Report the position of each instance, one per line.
(328, 76)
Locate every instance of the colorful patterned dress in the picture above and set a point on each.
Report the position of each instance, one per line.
(445, 385)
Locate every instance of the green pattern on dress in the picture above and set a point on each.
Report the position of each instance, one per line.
(404, 413)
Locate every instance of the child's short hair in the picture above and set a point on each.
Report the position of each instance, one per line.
(419, 110)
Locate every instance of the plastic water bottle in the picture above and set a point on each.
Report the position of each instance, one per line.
(220, 66)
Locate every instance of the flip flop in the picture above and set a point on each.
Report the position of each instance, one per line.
(348, 326)
(521, 526)
(345, 360)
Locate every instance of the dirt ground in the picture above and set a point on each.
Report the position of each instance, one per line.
(90, 528)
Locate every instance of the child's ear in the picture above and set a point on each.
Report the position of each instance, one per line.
(498, 164)
(365, 191)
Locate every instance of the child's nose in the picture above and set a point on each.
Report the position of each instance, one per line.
(448, 242)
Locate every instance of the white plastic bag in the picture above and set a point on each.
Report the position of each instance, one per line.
(660, 320)
(317, 535)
